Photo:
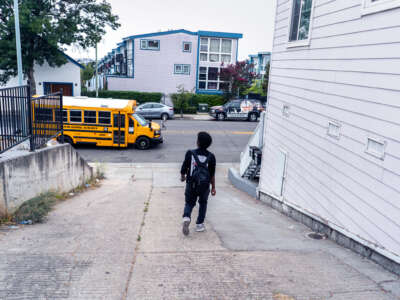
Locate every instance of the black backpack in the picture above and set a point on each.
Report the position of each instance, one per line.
(201, 180)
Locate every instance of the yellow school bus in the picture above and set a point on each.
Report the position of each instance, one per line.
(107, 122)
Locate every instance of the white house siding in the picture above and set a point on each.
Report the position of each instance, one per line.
(350, 74)
(68, 73)
(154, 70)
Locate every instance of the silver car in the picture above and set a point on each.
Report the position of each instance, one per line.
(152, 110)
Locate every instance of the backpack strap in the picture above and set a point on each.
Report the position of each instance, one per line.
(196, 158)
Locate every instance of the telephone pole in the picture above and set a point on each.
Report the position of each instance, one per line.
(18, 42)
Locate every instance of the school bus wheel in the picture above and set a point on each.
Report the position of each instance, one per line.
(143, 143)
(67, 139)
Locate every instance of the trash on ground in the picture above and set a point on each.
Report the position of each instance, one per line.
(13, 227)
(71, 194)
(26, 222)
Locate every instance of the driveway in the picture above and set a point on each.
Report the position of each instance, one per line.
(124, 241)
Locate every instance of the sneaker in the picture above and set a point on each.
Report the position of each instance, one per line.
(185, 227)
(200, 227)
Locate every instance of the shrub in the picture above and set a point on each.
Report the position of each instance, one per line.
(190, 110)
(192, 100)
(140, 97)
(211, 100)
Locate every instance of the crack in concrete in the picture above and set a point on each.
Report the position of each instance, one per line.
(136, 250)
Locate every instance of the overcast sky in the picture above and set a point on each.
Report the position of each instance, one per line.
(253, 18)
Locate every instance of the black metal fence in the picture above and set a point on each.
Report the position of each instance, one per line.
(46, 119)
(23, 117)
(14, 116)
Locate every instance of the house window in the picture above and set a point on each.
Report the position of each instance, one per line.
(182, 69)
(90, 116)
(226, 58)
(203, 57)
(226, 46)
(301, 18)
(187, 47)
(204, 44)
(216, 50)
(214, 57)
(376, 147)
(374, 6)
(209, 79)
(150, 44)
(203, 73)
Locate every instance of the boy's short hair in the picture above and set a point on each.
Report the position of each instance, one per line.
(204, 140)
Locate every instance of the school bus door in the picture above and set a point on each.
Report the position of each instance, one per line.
(120, 135)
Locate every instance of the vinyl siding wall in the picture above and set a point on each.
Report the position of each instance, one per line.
(349, 74)
(154, 70)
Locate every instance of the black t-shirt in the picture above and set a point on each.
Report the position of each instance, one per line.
(189, 162)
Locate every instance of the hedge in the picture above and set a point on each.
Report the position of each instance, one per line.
(140, 97)
(193, 100)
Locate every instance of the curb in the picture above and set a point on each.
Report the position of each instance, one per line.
(241, 183)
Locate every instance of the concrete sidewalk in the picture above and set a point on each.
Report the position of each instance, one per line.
(124, 241)
(198, 117)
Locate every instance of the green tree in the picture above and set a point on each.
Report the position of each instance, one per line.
(181, 99)
(239, 76)
(47, 27)
(265, 80)
(87, 73)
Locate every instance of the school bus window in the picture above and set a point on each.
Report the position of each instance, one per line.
(90, 116)
(43, 114)
(105, 117)
(131, 126)
(121, 119)
(64, 115)
(75, 116)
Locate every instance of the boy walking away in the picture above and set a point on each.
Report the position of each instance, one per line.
(198, 169)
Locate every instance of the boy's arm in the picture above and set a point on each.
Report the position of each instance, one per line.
(185, 166)
(212, 167)
(213, 191)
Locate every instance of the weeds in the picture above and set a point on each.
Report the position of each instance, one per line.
(36, 209)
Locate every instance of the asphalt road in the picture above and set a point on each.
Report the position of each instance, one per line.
(229, 139)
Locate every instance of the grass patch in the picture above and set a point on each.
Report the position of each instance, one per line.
(36, 209)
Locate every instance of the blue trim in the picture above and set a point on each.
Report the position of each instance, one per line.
(159, 33)
(133, 58)
(197, 65)
(183, 47)
(182, 69)
(220, 34)
(72, 60)
(209, 92)
(159, 44)
(47, 83)
(237, 50)
(201, 33)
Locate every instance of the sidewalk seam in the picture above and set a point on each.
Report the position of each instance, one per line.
(136, 250)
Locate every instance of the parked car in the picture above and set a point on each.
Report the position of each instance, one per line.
(238, 109)
(152, 110)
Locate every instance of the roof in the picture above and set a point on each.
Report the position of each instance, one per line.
(220, 34)
(73, 60)
(95, 102)
(199, 33)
